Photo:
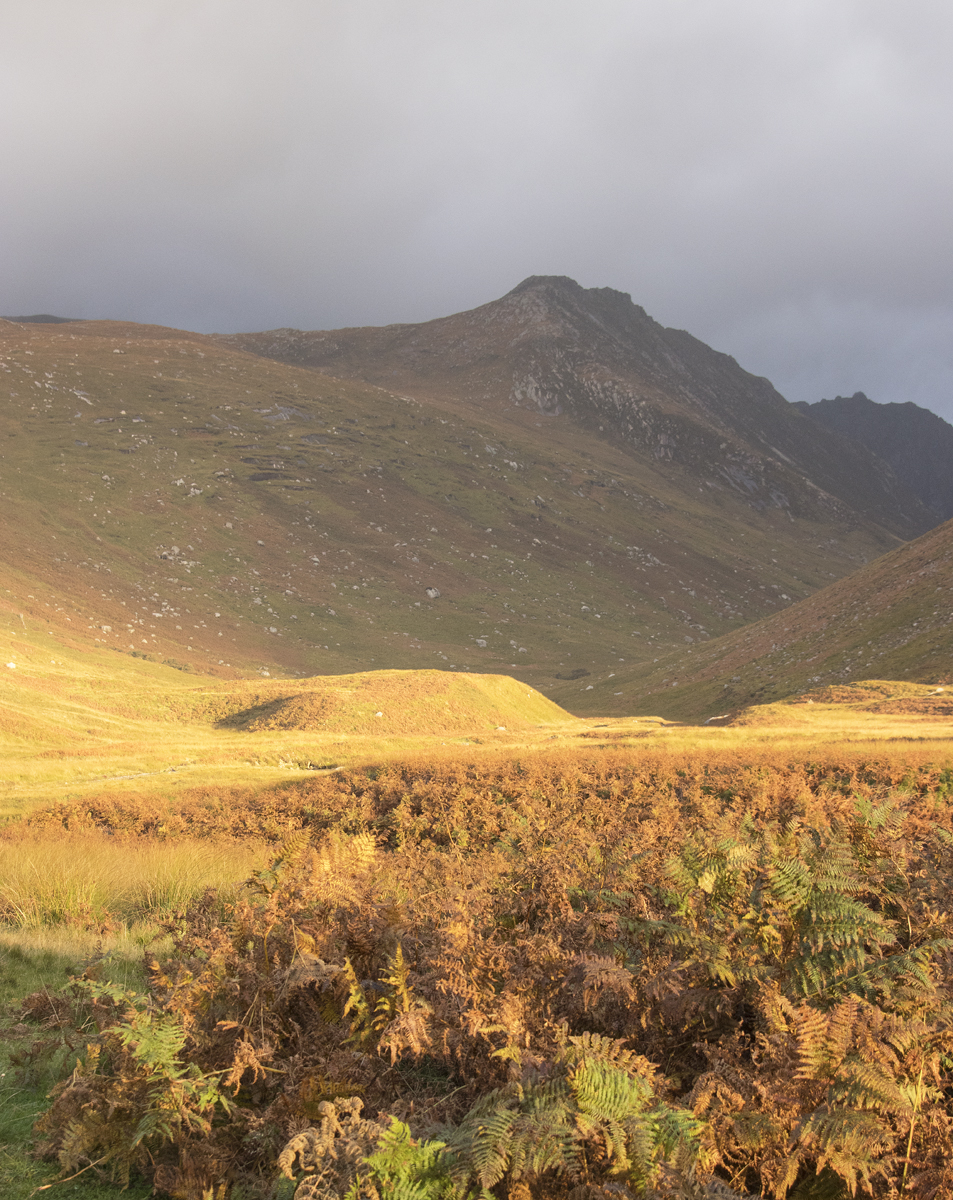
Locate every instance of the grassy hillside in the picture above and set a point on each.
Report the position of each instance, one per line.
(170, 497)
(90, 726)
(590, 359)
(88, 722)
(892, 619)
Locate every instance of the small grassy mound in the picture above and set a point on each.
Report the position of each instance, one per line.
(403, 702)
(927, 706)
(884, 697)
(866, 692)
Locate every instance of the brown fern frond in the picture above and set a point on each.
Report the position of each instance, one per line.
(841, 1027)
(337, 869)
(811, 1030)
(331, 1153)
(409, 1030)
(595, 975)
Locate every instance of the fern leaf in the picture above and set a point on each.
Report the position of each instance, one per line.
(812, 1044)
(604, 1093)
(491, 1145)
(871, 1085)
(790, 881)
(842, 1023)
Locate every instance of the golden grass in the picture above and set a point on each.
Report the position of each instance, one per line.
(107, 842)
(154, 773)
(121, 949)
(75, 722)
(96, 882)
(79, 724)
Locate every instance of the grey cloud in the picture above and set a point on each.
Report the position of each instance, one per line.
(773, 178)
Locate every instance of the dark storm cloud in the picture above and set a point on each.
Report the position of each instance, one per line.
(774, 178)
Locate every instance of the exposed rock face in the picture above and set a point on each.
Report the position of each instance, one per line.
(914, 441)
(590, 356)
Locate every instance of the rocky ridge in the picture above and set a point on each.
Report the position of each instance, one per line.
(916, 443)
(593, 359)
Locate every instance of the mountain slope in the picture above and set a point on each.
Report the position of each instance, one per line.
(594, 359)
(891, 619)
(916, 443)
(172, 496)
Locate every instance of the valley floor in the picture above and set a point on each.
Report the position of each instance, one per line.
(450, 917)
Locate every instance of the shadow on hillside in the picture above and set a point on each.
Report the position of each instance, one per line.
(301, 710)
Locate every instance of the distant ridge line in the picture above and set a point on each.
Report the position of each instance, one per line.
(41, 319)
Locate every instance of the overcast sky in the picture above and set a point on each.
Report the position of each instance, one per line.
(773, 177)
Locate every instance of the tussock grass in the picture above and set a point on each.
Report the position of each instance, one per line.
(95, 881)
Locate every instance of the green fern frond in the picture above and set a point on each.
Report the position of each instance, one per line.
(837, 920)
(362, 1022)
(740, 854)
(604, 1093)
(544, 1095)
(886, 816)
(491, 1146)
(611, 1051)
(677, 1129)
(404, 1169)
(790, 881)
(543, 1141)
(834, 869)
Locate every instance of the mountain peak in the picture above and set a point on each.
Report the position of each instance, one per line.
(564, 288)
(552, 348)
(539, 282)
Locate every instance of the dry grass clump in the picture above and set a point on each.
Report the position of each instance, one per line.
(92, 880)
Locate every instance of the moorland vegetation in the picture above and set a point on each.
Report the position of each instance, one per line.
(617, 960)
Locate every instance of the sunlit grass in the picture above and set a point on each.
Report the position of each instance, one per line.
(73, 893)
(93, 881)
(87, 721)
(41, 960)
(88, 754)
